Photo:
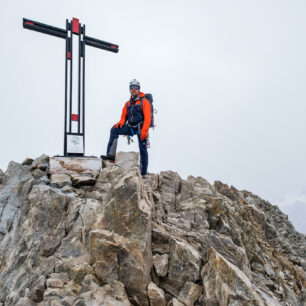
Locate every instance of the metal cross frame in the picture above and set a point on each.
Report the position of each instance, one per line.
(74, 142)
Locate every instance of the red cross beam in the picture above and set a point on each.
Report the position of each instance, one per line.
(74, 133)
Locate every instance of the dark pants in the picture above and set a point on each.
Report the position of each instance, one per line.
(126, 130)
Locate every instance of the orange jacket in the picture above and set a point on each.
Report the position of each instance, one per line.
(146, 107)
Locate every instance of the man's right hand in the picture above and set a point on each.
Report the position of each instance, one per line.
(118, 125)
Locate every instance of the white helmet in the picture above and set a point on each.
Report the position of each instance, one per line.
(134, 82)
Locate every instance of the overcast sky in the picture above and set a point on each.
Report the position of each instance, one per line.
(228, 80)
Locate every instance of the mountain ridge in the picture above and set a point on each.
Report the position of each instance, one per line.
(114, 238)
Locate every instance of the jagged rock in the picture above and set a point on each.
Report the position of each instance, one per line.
(180, 223)
(184, 265)
(175, 302)
(226, 283)
(290, 295)
(82, 180)
(105, 248)
(25, 301)
(95, 195)
(41, 163)
(69, 189)
(190, 293)
(193, 211)
(61, 276)
(37, 292)
(89, 214)
(195, 187)
(129, 211)
(47, 207)
(27, 162)
(44, 180)
(104, 296)
(227, 248)
(258, 267)
(78, 272)
(54, 283)
(93, 244)
(231, 192)
(156, 295)
(103, 184)
(37, 174)
(17, 182)
(161, 264)
(60, 180)
(169, 184)
(160, 240)
(127, 160)
(268, 269)
(57, 296)
(47, 210)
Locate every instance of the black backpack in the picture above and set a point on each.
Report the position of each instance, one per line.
(149, 97)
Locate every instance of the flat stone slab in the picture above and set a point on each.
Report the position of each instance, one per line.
(60, 180)
(69, 165)
(127, 160)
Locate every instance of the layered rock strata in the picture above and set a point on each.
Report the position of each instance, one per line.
(114, 238)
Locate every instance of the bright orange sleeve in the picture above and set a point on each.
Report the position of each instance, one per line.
(146, 106)
(124, 114)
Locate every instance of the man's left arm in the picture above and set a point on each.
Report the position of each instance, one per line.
(147, 119)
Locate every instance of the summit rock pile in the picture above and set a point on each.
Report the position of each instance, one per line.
(114, 238)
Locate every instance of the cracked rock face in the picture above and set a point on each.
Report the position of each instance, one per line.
(114, 238)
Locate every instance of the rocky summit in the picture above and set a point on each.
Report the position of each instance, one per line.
(115, 238)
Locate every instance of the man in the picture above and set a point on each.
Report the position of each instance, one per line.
(135, 120)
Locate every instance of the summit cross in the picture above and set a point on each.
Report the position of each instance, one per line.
(74, 136)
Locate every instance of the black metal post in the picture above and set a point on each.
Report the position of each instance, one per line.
(71, 58)
(66, 66)
(83, 112)
(79, 82)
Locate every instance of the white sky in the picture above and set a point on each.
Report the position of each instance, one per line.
(228, 80)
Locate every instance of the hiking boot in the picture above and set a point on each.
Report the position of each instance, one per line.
(108, 157)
